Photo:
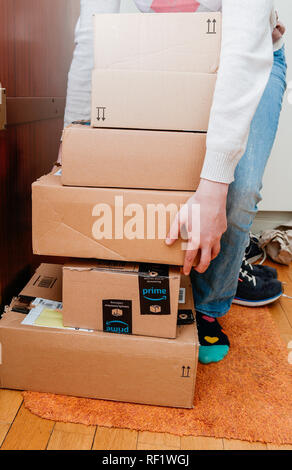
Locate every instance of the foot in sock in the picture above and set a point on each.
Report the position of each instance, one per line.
(214, 344)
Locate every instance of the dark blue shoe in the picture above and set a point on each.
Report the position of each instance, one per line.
(255, 291)
(259, 270)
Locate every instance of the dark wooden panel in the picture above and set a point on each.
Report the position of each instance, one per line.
(32, 149)
(43, 47)
(24, 110)
(7, 50)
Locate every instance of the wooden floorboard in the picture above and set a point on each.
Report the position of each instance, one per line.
(115, 439)
(157, 441)
(201, 443)
(28, 432)
(4, 428)
(19, 429)
(10, 402)
(67, 436)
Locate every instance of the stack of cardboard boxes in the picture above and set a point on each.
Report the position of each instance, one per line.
(111, 315)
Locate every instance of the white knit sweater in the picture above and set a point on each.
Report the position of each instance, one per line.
(245, 66)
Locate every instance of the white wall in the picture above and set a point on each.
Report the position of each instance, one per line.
(277, 190)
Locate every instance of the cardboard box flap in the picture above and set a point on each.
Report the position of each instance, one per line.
(50, 179)
(45, 283)
(100, 265)
(141, 269)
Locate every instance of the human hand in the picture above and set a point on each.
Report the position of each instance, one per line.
(278, 32)
(211, 198)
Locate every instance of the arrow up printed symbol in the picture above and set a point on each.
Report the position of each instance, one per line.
(209, 26)
(214, 26)
(209, 22)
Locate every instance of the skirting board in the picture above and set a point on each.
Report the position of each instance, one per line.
(266, 220)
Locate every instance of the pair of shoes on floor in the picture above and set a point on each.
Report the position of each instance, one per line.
(257, 285)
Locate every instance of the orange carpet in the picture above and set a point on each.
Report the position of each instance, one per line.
(248, 396)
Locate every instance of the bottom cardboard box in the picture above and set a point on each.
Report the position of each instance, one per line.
(39, 354)
(100, 365)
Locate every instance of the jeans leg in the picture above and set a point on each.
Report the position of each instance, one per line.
(215, 289)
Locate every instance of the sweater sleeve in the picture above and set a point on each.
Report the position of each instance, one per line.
(78, 103)
(245, 66)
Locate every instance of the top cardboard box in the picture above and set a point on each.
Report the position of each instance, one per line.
(155, 71)
(176, 42)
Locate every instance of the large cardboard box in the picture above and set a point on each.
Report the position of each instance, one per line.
(152, 100)
(180, 42)
(155, 71)
(105, 223)
(38, 357)
(121, 298)
(118, 158)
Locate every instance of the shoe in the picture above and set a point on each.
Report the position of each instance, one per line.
(253, 252)
(255, 291)
(259, 270)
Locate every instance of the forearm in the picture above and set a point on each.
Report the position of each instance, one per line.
(245, 66)
(78, 103)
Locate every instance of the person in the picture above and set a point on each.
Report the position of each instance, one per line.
(243, 123)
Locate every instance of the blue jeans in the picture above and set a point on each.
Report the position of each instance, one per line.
(215, 289)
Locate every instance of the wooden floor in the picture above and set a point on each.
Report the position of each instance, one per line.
(21, 430)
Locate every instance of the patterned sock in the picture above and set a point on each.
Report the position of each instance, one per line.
(214, 343)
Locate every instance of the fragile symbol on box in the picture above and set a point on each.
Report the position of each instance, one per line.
(211, 30)
(101, 113)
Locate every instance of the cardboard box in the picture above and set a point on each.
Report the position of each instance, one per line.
(152, 100)
(134, 369)
(46, 284)
(155, 71)
(180, 42)
(132, 158)
(103, 223)
(121, 297)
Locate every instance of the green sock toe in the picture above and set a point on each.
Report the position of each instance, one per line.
(214, 353)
